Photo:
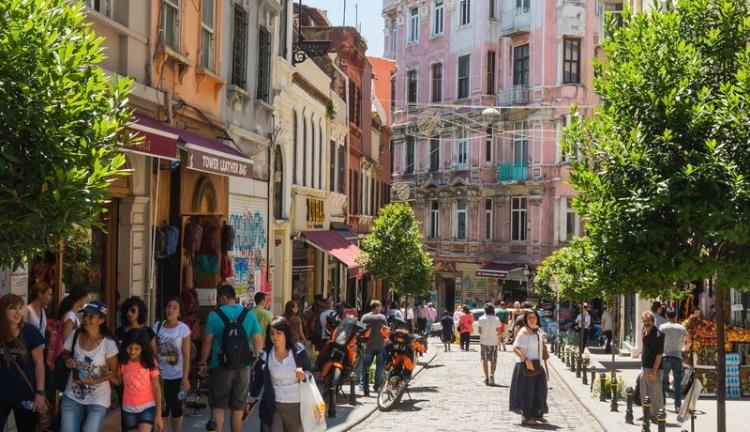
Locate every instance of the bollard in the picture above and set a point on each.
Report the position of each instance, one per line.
(646, 414)
(661, 420)
(613, 407)
(585, 376)
(352, 395)
(603, 387)
(579, 362)
(567, 359)
(593, 378)
(629, 407)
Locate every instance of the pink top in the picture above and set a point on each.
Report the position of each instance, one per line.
(465, 323)
(138, 394)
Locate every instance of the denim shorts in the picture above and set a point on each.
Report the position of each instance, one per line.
(132, 420)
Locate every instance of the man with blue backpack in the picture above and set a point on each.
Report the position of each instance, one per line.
(229, 331)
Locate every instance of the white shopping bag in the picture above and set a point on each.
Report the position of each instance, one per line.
(312, 406)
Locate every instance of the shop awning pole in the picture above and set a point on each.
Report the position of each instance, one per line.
(152, 252)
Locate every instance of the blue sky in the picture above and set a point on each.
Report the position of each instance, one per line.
(370, 19)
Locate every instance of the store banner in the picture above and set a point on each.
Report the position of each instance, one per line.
(151, 138)
(218, 164)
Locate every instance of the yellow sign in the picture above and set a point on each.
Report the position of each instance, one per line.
(315, 212)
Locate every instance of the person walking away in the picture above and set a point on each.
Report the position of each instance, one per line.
(67, 322)
(227, 327)
(173, 355)
(608, 326)
(394, 312)
(489, 333)
(375, 322)
(465, 326)
(651, 356)
(422, 316)
(262, 312)
(139, 373)
(432, 316)
(447, 332)
(327, 319)
(34, 313)
(675, 340)
(21, 364)
(91, 352)
(291, 313)
(407, 312)
(502, 314)
(277, 375)
(583, 321)
(528, 388)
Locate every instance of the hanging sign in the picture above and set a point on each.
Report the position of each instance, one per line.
(217, 164)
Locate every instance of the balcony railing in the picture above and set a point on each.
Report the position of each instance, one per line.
(512, 172)
(518, 95)
(516, 21)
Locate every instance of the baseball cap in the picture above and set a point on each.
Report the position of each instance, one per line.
(95, 307)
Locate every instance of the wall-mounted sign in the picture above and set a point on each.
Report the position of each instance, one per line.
(315, 211)
(152, 144)
(217, 164)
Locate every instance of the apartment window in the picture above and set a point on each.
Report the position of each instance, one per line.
(341, 168)
(104, 7)
(264, 64)
(572, 220)
(488, 144)
(414, 25)
(304, 151)
(170, 24)
(491, 72)
(437, 18)
(492, 9)
(518, 219)
(435, 220)
(437, 82)
(613, 13)
(315, 154)
(332, 167)
(411, 88)
(464, 66)
(394, 33)
(520, 144)
(393, 94)
(295, 141)
(522, 6)
(488, 219)
(409, 155)
(207, 34)
(282, 27)
(278, 184)
(465, 12)
(461, 220)
(565, 156)
(462, 154)
(320, 155)
(434, 154)
(571, 61)
(239, 47)
(521, 65)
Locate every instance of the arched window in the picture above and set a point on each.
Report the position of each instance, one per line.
(321, 152)
(304, 151)
(278, 184)
(295, 147)
(314, 150)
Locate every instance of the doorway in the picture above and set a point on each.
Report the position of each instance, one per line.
(450, 294)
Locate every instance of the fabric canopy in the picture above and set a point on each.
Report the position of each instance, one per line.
(333, 243)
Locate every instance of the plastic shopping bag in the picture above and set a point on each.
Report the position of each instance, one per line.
(312, 406)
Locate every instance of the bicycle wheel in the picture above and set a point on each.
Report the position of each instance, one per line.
(390, 393)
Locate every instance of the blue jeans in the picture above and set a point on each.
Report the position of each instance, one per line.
(379, 357)
(673, 364)
(73, 412)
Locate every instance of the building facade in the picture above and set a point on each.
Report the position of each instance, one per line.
(489, 189)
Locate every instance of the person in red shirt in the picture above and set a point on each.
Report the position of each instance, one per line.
(465, 326)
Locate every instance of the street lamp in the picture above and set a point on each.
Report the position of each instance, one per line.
(491, 114)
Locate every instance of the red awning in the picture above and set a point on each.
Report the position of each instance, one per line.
(497, 270)
(333, 243)
(156, 138)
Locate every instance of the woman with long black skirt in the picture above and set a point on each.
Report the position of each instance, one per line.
(528, 388)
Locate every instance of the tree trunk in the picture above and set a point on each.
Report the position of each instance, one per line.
(722, 314)
(582, 344)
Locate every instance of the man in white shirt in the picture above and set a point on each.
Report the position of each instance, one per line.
(489, 330)
(608, 326)
(583, 321)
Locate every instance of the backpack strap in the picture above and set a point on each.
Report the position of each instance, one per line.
(242, 316)
(73, 345)
(224, 318)
(158, 328)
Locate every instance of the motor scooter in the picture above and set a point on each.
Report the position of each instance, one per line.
(341, 357)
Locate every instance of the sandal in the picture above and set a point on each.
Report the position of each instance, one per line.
(542, 420)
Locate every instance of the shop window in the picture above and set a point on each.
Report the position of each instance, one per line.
(278, 184)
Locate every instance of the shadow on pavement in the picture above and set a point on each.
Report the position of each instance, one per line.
(547, 426)
(425, 389)
(409, 405)
(433, 366)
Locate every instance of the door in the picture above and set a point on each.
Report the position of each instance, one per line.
(450, 294)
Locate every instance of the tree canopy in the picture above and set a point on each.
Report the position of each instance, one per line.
(393, 251)
(571, 272)
(61, 122)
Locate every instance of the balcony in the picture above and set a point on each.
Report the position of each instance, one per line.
(516, 21)
(512, 172)
(518, 95)
(571, 18)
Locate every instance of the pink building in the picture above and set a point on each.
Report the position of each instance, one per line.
(489, 189)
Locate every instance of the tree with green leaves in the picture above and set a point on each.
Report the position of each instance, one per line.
(61, 124)
(393, 251)
(664, 172)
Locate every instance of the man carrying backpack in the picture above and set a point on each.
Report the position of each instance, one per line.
(229, 330)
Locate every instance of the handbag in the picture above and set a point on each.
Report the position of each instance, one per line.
(44, 417)
(532, 372)
(312, 406)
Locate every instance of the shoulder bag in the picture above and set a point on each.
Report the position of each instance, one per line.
(44, 418)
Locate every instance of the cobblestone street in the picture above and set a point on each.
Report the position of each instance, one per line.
(450, 395)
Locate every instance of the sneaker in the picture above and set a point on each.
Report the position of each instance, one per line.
(492, 380)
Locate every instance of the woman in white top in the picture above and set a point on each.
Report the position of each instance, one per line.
(67, 322)
(283, 365)
(528, 388)
(34, 312)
